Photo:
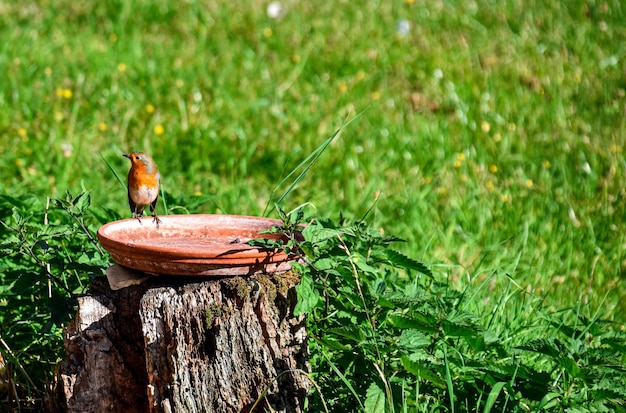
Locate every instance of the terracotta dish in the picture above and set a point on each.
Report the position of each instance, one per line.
(208, 245)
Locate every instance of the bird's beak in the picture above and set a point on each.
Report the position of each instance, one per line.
(127, 155)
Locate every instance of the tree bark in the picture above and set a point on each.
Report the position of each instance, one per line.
(173, 344)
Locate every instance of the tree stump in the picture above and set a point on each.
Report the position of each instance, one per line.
(175, 344)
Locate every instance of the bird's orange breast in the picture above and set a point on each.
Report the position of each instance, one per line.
(140, 177)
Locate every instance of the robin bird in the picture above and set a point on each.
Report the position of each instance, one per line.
(144, 180)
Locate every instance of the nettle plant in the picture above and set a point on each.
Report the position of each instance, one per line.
(48, 254)
(386, 335)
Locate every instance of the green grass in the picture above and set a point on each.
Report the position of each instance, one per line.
(493, 132)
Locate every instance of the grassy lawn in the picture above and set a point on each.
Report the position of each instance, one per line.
(491, 139)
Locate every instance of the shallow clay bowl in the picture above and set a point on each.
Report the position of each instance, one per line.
(209, 245)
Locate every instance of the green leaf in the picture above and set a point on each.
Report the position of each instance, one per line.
(548, 346)
(82, 201)
(476, 342)
(570, 366)
(351, 332)
(424, 371)
(332, 344)
(17, 216)
(411, 339)
(361, 263)
(616, 340)
(316, 233)
(308, 297)
(380, 286)
(325, 264)
(458, 330)
(400, 260)
(374, 399)
(406, 322)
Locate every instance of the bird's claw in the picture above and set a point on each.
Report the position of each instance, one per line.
(156, 220)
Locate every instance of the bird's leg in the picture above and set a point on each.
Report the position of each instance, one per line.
(156, 219)
(138, 215)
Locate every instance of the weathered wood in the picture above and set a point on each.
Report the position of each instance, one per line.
(216, 346)
(105, 366)
(169, 345)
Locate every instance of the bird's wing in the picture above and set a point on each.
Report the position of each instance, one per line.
(131, 203)
(154, 203)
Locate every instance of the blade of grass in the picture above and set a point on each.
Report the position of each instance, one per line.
(344, 379)
(376, 197)
(305, 165)
(449, 379)
(493, 396)
(120, 180)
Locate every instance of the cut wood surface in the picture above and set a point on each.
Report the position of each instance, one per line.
(175, 344)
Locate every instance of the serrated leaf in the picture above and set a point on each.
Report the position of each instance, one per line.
(332, 344)
(325, 264)
(354, 333)
(423, 371)
(17, 216)
(412, 339)
(380, 286)
(548, 346)
(476, 342)
(308, 297)
(458, 330)
(570, 366)
(463, 317)
(406, 322)
(265, 243)
(361, 263)
(374, 399)
(82, 201)
(616, 340)
(317, 233)
(400, 260)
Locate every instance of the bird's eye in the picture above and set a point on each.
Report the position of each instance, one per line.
(136, 158)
